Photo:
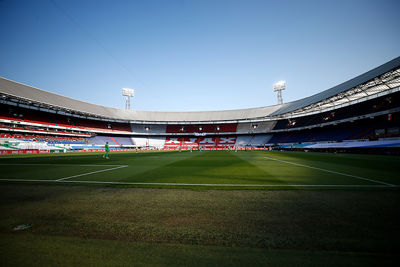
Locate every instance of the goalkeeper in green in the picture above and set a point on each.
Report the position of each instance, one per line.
(107, 149)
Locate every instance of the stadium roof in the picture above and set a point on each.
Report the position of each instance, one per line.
(383, 78)
(365, 84)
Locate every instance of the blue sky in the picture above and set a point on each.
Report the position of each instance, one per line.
(193, 54)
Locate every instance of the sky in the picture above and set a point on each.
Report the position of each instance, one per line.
(182, 55)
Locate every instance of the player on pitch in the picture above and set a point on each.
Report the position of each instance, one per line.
(107, 149)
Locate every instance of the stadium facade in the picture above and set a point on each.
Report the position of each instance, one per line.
(362, 113)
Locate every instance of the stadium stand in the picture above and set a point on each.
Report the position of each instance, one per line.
(34, 117)
(57, 139)
(243, 140)
(363, 109)
(102, 126)
(226, 141)
(202, 128)
(371, 128)
(122, 140)
(260, 140)
(148, 128)
(101, 140)
(22, 128)
(386, 102)
(256, 127)
(157, 142)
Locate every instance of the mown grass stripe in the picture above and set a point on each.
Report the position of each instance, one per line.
(334, 172)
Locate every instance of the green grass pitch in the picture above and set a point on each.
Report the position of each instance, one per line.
(200, 208)
(211, 168)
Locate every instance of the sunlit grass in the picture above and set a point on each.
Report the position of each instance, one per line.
(214, 167)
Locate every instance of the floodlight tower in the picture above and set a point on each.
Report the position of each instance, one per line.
(128, 93)
(279, 87)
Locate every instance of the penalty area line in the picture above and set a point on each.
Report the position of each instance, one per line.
(335, 172)
(87, 173)
(72, 165)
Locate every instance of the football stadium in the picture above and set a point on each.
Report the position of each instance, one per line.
(309, 182)
(199, 133)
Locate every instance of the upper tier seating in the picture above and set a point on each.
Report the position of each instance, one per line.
(102, 125)
(366, 107)
(148, 128)
(51, 119)
(202, 128)
(24, 128)
(257, 127)
(46, 138)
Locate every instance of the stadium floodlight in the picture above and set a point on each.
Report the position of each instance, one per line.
(128, 93)
(279, 87)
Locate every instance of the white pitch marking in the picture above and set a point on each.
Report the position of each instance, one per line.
(225, 185)
(87, 173)
(27, 180)
(208, 185)
(73, 165)
(80, 165)
(49, 164)
(340, 173)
